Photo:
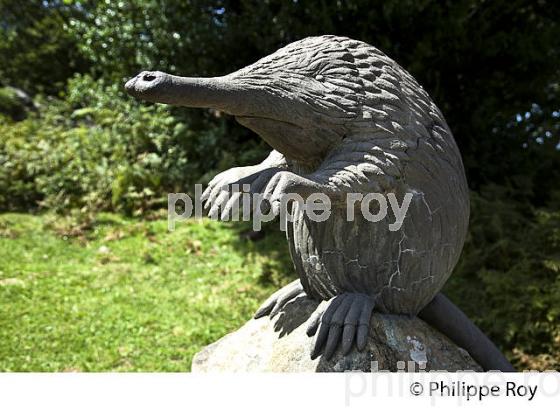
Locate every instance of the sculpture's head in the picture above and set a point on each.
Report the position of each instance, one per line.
(299, 99)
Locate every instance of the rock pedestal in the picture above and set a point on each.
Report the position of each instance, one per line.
(396, 343)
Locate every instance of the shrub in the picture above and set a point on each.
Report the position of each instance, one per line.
(10, 104)
(100, 149)
(508, 278)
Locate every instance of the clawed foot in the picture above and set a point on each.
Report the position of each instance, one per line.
(279, 299)
(221, 202)
(283, 183)
(345, 315)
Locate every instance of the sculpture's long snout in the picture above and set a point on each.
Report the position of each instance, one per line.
(221, 93)
(138, 85)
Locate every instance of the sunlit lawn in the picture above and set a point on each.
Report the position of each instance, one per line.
(126, 294)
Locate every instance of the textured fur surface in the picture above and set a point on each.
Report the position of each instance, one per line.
(381, 133)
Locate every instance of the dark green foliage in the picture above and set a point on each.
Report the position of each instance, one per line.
(10, 105)
(483, 62)
(508, 278)
(37, 53)
(121, 38)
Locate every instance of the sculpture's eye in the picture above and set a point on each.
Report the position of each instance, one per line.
(319, 77)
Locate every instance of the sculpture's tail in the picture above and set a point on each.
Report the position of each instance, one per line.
(442, 314)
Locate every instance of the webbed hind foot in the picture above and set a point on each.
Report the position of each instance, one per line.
(345, 315)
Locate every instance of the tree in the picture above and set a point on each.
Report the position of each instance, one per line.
(483, 62)
(38, 54)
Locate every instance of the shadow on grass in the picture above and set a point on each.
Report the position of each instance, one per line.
(270, 242)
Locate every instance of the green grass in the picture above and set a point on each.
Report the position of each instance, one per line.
(119, 294)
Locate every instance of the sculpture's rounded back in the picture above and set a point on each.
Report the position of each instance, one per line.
(400, 140)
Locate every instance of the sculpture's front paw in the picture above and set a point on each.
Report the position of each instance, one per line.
(286, 182)
(345, 315)
(221, 201)
(279, 299)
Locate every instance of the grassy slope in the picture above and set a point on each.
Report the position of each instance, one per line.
(126, 294)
